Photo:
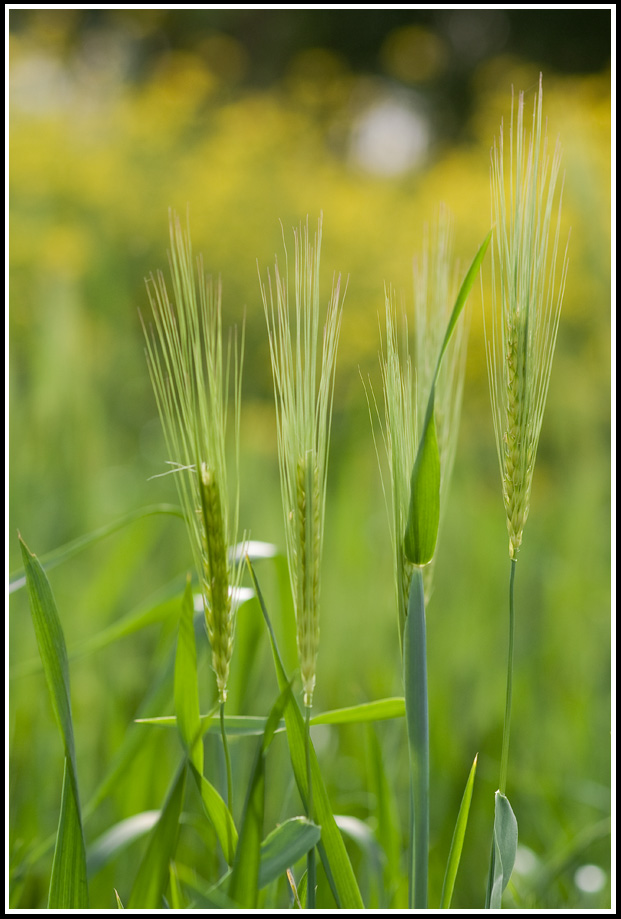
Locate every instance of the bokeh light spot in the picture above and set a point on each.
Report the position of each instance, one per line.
(390, 138)
(590, 878)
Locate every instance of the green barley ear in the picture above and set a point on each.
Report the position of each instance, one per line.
(527, 293)
(423, 409)
(303, 354)
(190, 370)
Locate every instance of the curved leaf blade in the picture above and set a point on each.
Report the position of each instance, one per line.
(152, 877)
(457, 842)
(331, 847)
(57, 556)
(219, 815)
(285, 845)
(186, 683)
(254, 725)
(69, 883)
(379, 710)
(421, 532)
(118, 837)
(505, 848)
(464, 292)
(244, 883)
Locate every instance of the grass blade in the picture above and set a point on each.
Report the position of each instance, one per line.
(380, 710)
(186, 683)
(457, 843)
(159, 607)
(386, 814)
(18, 579)
(68, 884)
(331, 848)
(118, 837)
(244, 884)
(152, 878)
(219, 815)
(284, 846)
(254, 725)
(421, 532)
(464, 292)
(177, 901)
(505, 848)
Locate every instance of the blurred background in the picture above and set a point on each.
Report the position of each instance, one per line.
(252, 119)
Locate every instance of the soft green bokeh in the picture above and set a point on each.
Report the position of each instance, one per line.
(95, 163)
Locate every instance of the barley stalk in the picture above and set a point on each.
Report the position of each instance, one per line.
(407, 384)
(303, 363)
(527, 294)
(190, 372)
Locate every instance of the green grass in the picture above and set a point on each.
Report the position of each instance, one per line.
(119, 600)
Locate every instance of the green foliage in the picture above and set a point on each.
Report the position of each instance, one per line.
(505, 848)
(458, 841)
(91, 177)
(69, 883)
(421, 532)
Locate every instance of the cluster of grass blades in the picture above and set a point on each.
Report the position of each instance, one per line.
(190, 369)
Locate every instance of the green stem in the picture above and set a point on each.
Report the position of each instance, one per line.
(227, 760)
(311, 879)
(504, 757)
(417, 719)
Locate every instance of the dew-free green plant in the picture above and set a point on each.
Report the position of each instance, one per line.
(527, 293)
(303, 365)
(190, 371)
(303, 357)
(198, 852)
(407, 366)
(416, 452)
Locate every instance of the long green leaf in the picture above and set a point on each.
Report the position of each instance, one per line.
(421, 532)
(281, 848)
(284, 846)
(457, 843)
(380, 710)
(118, 837)
(17, 580)
(244, 883)
(386, 815)
(417, 720)
(69, 884)
(186, 683)
(152, 877)
(462, 296)
(505, 848)
(254, 725)
(219, 815)
(157, 609)
(331, 848)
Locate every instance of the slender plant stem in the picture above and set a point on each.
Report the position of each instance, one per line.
(227, 759)
(417, 718)
(504, 757)
(310, 860)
